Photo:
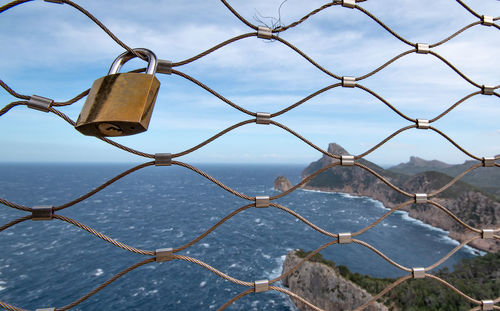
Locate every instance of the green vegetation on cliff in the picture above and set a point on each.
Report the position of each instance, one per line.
(478, 278)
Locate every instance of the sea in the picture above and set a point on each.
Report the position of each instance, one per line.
(53, 263)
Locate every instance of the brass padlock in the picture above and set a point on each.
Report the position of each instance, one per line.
(120, 104)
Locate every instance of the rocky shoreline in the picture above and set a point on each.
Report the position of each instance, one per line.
(471, 205)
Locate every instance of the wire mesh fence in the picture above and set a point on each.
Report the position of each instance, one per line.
(167, 253)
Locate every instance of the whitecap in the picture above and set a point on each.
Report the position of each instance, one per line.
(203, 284)
(205, 245)
(98, 272)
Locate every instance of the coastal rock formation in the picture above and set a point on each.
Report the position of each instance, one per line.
(282, 184)
(477, 276)
(322, 285)
(475, 207)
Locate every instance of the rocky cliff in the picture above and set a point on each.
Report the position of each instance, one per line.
(282, 184)
(478, 277)
(475, 207)
(324, 287)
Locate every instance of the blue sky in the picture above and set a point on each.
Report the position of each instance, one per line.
(55, 51)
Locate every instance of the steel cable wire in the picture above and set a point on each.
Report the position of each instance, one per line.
(279, 29)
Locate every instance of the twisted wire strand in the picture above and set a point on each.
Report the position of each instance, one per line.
(452, 288)
(8, 107)
(15, 222)
(310, 60)
(103, 237)
(444, 209)
(444, 60)
(215, 181)
(305, 99)
(208, 89)
(364, 88)
(307, 222)
(213, 270)
(401, 130)
(104, 28)
(292, 294)
(304, 139)
(227, 130)
(219, 223)
(384, 180)
(314, 12)
(278, 29)
(103, 285)
(383, 292)
(5, 305)
(465, 6)
(455, 144)
(301, 262)
(235, 13)
(73, 100)
(392, 60)
(454, 106)
(305, 180)
(389, 260)
(376, 222)
(385, 26)
(235, 298)
(454, 180)
(8, 88)
(104, 185)
(12, 4)
(216, 47)
(107, 140)
(14, 205)
(454, 35)
(451, 253)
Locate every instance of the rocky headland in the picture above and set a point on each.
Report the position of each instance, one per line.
(470, 203)
(335, 287)
(320, 283)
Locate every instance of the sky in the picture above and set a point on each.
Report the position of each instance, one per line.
(55, 51)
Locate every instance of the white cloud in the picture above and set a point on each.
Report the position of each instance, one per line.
(56, 50)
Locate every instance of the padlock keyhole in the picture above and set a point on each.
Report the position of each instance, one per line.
(108, 129)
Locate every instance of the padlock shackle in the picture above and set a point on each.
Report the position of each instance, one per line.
(126, 56)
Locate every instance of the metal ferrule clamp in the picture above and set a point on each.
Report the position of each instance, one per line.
(420, 198)
(164, 66)
(487, 304)
(488, 162)
(418, 273)
(487, 90)
(349, 3)
(423, 48)
(163, 159)
(347, 160)
(164, 254)
(40, 103)
(261, 201)
(42, 212)
(423, 124)
(348, 82)
(263, 118)
(487, 20)
(261, 286)
(264, 33)
(487, 234)
(345, 238)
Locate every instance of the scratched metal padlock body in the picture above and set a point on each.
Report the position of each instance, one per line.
(120, 104)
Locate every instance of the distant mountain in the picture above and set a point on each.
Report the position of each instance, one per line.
(476, 207)
(418, 165)
(487, 178)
